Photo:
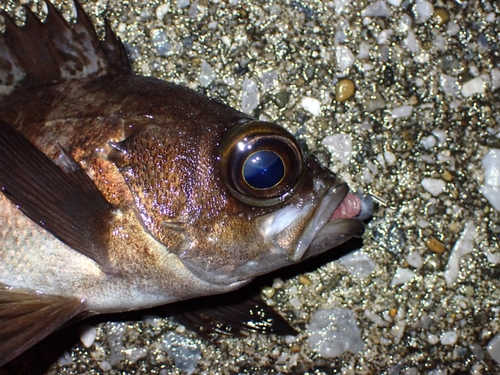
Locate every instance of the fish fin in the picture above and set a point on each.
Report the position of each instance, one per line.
(231, 314)
(54, 51)
(27, 318)
(62, 200)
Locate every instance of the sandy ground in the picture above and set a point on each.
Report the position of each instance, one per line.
(423, 286)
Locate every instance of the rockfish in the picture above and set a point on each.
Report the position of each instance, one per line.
(122, 192)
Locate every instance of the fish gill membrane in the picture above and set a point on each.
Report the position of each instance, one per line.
(123, 192)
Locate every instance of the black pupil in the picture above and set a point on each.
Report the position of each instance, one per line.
(263, 169)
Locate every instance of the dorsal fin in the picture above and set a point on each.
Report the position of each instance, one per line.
(53, 51)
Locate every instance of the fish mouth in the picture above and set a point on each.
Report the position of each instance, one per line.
(337, 218)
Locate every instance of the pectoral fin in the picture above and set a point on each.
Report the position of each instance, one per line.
(62, 200)
(27, 318)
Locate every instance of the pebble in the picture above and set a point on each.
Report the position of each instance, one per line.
(414, 259)
(449, 338)
(304, 280)
(463, 246)
(377, 9)
(358, 264)
(442, 15)
(423, 11)
(472, 87)
(447, 176)
(402, 276)
(88, 335)
(344, 90)
(206, 74)
(403, 111)
(332, 332)
(493, 348)
(434, 186)
(491, 187)
(311, 105)
(339, 146)
(345, 58)
(435, 245)
(249, 95)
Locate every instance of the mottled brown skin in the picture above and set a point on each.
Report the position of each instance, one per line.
(171, 136)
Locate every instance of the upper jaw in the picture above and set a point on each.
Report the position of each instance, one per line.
(320, 231)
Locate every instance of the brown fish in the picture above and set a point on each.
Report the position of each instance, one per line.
(122, 192)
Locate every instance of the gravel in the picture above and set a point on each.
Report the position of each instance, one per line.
(425, 108)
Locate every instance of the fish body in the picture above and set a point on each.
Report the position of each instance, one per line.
(123, 192)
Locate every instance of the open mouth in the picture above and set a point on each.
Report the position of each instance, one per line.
(338, 217)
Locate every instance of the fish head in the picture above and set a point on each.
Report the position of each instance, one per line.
(234, 202)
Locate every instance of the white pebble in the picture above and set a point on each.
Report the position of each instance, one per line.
(396, 3)
(423, 10)
(463, 246)
(340, 146)
(493, 348)
(206, 74)
(334, 331)
(358, 264)
(414, 259)
(345, 58)
(411, 42)
(453, 28)
(311, 105)
(375, 318)
(161, 11)
(449, 84)
(377, 9)
(249, 95)
(449, 338)
(428, 142)
(384, 36)
(105, 366)
(182, 3)
(435, 186)
(472, 87)
(88, 335)
(495, 79)
(403, 275)
(432, 339)
(491, 188)
(390, 158)
(440, 135)
(403, 111)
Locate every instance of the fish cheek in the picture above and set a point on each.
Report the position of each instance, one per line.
(155, 177)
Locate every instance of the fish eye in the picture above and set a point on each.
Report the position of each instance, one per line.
(261, 163)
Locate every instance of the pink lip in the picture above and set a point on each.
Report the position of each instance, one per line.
(350, 207)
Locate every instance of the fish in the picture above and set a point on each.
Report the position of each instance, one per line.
(122, 192)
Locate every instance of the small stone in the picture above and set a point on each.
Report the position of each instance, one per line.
(449, 338)
(304, 280)
(442, 15)
(414, 259)
(268, 292)
(340, 146)
(403, 111)
(344, 90)
(424, 10)
(435, 245)
(432, 339)
(402, 276)
(472, 87)
(345, 58)
(447, 176)
(493, 348)
(433, 185)
(311, 105)
(88, 335)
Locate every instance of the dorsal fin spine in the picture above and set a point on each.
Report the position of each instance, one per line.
(55, 51)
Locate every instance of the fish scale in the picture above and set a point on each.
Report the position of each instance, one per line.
(124, 192)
